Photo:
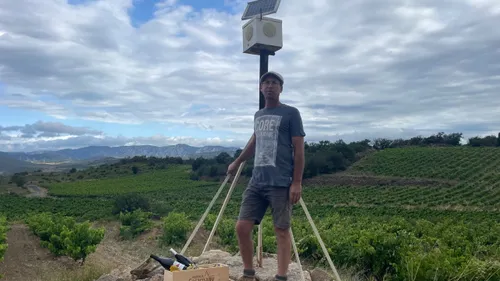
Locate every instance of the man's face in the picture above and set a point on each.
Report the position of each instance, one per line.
(271, 88)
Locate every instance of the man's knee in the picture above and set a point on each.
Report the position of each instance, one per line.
(244, 227)
(282, 232)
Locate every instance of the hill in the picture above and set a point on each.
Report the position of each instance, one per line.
(419, 178)
(409, 213)
(9, 164)
(98, 152)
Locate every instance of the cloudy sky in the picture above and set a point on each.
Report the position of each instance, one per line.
(118, 72)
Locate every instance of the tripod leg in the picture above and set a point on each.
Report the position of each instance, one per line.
(228, 196)
(204, 215)
(311, 222)
(296, 252)
(259, 246)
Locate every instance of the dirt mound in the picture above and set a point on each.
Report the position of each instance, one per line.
(148, 271)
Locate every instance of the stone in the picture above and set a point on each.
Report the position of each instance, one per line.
(264, 273)
(212, 256)
(319, 274)
(146, 269)
(110, 277)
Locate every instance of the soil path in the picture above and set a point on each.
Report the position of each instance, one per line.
(24, 257)
(36, 191)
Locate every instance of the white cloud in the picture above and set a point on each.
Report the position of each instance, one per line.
(355, 69)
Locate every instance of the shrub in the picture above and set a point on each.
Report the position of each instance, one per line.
(176, 226)
(3, 238)
(130, 202)
(64, 236)
(134, 223)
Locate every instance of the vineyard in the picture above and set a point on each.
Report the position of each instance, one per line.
(391, 248)
(471, 176)
(472, 165)
(423, 213)
(3, 238)
(157, 180)
(64, 236)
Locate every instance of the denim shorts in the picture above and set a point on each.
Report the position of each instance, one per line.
(256, 200)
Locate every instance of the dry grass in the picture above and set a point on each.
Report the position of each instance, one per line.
(87, 272)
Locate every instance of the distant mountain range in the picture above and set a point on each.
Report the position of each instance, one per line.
(20, 161)
(97, 152)
(9, 164)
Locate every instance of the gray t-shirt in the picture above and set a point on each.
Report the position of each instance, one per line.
(274, 129)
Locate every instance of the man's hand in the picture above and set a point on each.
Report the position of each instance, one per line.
(295, 192)
(233, 167)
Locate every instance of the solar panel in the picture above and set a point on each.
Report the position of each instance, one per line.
(255, 8)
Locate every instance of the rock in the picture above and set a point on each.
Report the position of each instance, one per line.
(319, 274)
(156, 277)
(147, 269)
(116, 275)
(264, 273)
(212, 256)
(110, 277)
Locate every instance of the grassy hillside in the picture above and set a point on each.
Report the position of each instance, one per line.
(437, 177)
(400, 213)
(176, 178)
(479, 165)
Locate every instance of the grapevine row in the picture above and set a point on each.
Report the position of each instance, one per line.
(165, 180)
(453, 163)
(3, 237)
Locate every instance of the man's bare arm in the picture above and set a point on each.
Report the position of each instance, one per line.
(299, 159)
(248, 151)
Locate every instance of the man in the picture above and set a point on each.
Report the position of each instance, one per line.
(278, 146)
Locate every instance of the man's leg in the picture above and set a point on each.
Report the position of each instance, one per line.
(282, 216)
(244, 232)
(284, 250)
(252, 210)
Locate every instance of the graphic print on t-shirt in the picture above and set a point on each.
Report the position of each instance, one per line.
(266, 133)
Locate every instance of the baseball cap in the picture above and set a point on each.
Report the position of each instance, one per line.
(272, 73)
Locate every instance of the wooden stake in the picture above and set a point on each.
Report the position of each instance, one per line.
(200, 222)
(319, 239)
(296, 252)
(259, 246)
(228, 196)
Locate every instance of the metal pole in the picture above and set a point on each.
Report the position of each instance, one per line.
(264, 66)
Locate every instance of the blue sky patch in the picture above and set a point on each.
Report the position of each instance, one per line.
(144, 10)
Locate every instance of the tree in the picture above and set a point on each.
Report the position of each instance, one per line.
(484, 141)
(130, 202)
(135, 170)
(237, 153)
(382, 143)
(223, 158)
(18, 179)
(197, 163)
